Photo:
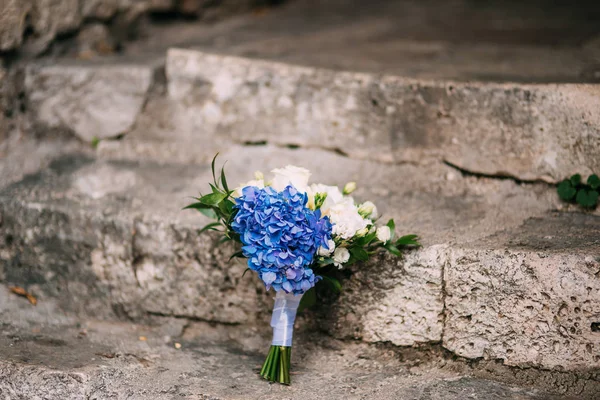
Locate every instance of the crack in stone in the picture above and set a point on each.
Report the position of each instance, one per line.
(135, 257)
(294, 146)
(444, 296)
(335, 150)
(500, 176)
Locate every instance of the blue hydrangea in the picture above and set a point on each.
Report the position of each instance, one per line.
(280, 236)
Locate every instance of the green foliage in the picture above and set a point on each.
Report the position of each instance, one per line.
(573, 190)
(594, 181)
(217, 205)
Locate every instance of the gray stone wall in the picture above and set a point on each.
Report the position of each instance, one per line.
(38, 22)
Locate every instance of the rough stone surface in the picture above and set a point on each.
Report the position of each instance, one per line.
(46, 19)
(47, 354)
(12, 22)
(3, 105)
(114, 230)
(105, 9)
(92, 102)
(102, 251)
(492, 129)
(394, 301)
(529, 296)
(51, 17)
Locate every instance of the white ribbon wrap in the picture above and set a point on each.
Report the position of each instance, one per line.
(284, 315)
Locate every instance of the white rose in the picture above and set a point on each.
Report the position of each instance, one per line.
(259, 183)
(326, 252)
(346, 220)
(341, 255)
(290, 175)
(368, 210)
(384, 234)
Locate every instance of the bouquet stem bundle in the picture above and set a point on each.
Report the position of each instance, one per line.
(277, 365)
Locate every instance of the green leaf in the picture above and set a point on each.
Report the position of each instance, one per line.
(237, 254)
(576, 179)
(223, 180)
(593, 181)
(226, 206)
(587, 198)
(359, 253)
(212, 167)
(246, 270)
(392, 225)
(214, 188)
(335, 285)
(308, 299)
(566, 191)
(365, 240)
(209, 212)
(393, 249)
(224, 239)
(213, 199)
(197, 206)
(408, 240)
(210, 226)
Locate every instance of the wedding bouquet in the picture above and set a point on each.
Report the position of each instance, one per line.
(295, 235)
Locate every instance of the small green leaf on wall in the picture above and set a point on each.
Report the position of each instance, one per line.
(573, 190)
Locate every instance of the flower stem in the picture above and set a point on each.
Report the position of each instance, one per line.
(277, 365)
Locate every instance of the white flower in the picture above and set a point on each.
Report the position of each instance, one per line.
(326, 252)
(341, 255)
(362, 232)
(290, 175)
(334, 196)
(384, 234)
(368, 210)
(346, 220)
(259, 183)
(350, 187)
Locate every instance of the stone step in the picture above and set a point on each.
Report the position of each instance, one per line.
(45, 353)
(527, 131)
(500, 275)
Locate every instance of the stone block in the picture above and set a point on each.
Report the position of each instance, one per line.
(90, 101)
(529, 296)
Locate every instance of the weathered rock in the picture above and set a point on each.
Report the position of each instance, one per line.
(394, 301)
(12, 22)
(94, 39)
(115, 229)
(112, 233)
(3, 105)
(488, 128)
(92, 102)
(105, 9)
(51, 17)
(44, 354)
(528, 296)
(101, 251)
